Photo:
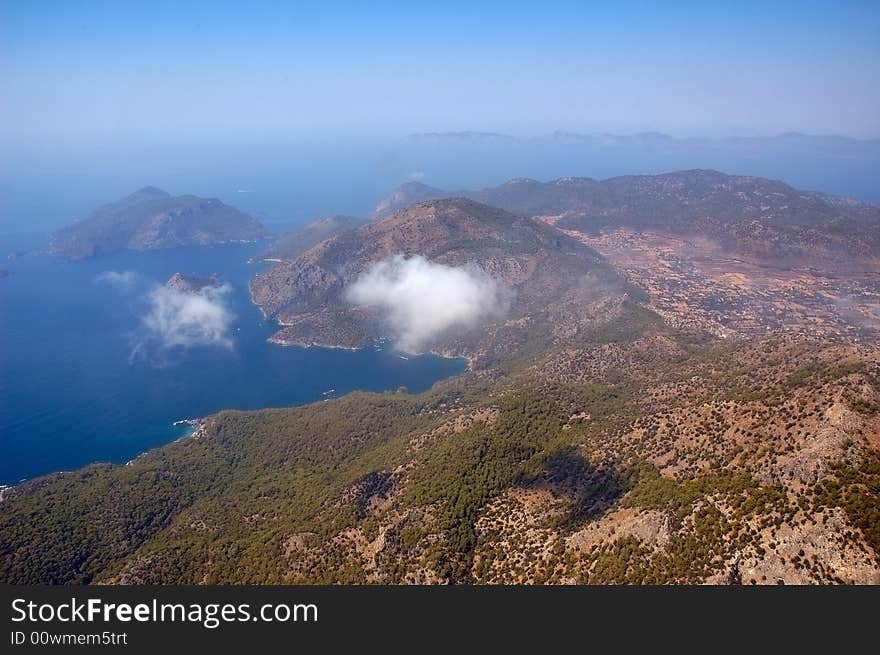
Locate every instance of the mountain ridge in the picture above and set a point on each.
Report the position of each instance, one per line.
(609, 138)
(698, 201)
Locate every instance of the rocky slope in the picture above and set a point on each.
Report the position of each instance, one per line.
(547, 271)
(150, 219)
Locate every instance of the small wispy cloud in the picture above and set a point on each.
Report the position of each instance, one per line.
(417, 175)
(184, 319)
(124, 280)
(424, 300)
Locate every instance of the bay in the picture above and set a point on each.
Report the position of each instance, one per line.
(80, 383)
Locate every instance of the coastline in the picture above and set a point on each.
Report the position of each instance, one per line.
(163, 433)
(196, 426)
(274, 338)
(330, 346)
(437, 353)
(303, 344)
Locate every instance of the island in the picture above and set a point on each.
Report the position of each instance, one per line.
(151, 219)
(192, 283)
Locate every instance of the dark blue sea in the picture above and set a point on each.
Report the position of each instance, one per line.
(81, 382)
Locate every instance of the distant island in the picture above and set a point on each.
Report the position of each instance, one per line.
(791, 142)
(152, 219)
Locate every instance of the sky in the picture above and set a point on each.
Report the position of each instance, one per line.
(91, 71)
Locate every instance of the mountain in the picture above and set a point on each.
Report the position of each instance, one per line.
(788, 143)
(296, 242)
(674, 199)
(765, 216)
(538, 263)
(150, 219)
(832, 164)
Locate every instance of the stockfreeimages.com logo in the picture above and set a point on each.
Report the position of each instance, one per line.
(209, 615)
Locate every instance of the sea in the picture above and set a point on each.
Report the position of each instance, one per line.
(83, 379)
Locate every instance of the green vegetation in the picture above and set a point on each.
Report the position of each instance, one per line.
(653, 491)
(857, 490)
(462, 472)
(197, 494)
(703, 534)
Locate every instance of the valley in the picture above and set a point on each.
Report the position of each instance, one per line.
(695, 283)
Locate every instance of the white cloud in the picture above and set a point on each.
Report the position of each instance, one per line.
(184, 319)
(417, 175)
(423, 299)
(123, 279)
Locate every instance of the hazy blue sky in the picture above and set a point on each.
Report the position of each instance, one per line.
(154, 69)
